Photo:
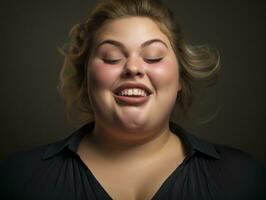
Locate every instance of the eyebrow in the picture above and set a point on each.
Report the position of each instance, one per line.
(121, 46)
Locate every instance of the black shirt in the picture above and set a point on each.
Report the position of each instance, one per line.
(55, 171)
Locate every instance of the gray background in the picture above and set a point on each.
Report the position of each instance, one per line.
(32, 113)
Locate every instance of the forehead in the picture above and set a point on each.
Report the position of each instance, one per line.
(131, 30)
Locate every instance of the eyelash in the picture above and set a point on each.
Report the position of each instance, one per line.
(150, 61)
(112, 62)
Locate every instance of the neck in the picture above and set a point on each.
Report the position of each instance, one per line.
(116, 144)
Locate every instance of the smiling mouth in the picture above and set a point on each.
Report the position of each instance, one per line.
(133, 92)
(132, 97)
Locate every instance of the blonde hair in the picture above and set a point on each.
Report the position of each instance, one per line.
(197, 63)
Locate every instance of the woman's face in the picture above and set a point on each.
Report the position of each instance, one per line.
(132, 50)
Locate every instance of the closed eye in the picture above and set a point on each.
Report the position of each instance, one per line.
(111, 61)
(153, 60)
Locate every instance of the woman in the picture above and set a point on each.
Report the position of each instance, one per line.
(125, 69)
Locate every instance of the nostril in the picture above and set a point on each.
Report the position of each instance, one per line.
(133, 68)
(130, 73)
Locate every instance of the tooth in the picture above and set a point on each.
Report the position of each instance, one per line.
(133, 92)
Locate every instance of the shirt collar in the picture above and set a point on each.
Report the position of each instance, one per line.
(194, 144)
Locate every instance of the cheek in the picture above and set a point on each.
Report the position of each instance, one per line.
(165, 74)
(101, 75)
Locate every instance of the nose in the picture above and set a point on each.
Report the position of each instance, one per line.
(133, 67)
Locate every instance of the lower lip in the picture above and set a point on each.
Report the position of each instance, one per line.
(126, 100)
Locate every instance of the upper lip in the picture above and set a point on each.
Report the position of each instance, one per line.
(132, 85)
